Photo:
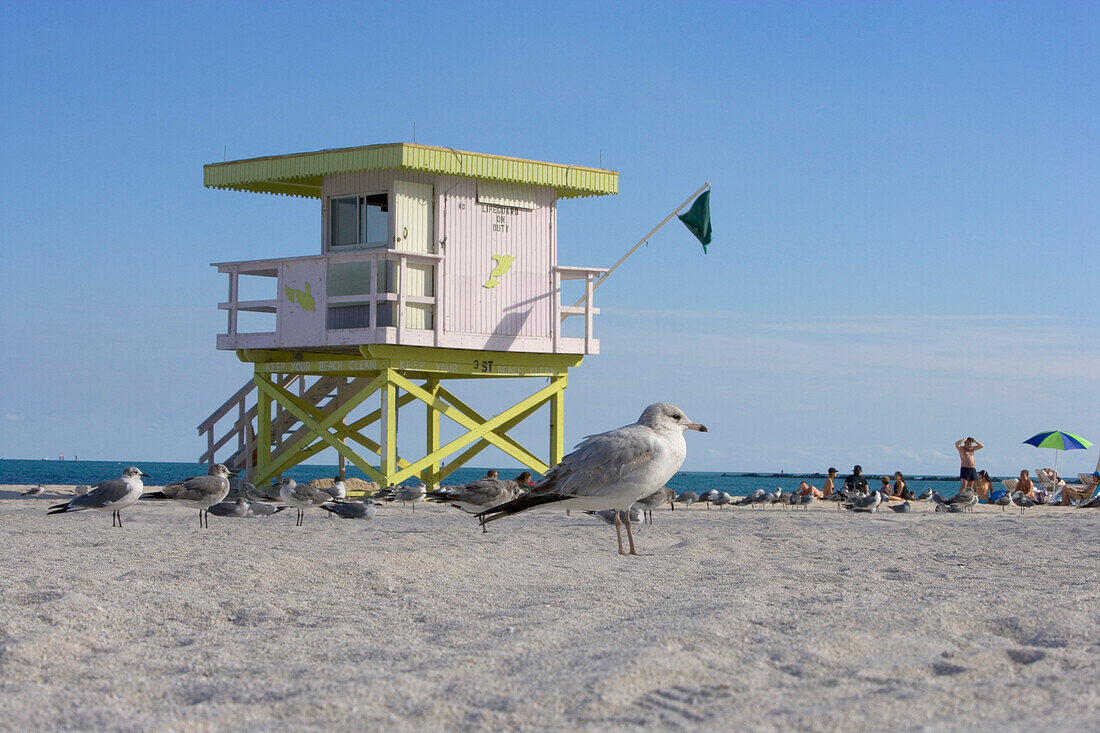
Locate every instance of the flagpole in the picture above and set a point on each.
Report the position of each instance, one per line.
(642, 241)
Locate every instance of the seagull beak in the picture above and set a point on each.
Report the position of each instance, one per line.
(145, 475)
(697, 426)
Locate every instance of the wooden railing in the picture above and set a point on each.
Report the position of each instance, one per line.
(373, 298)
(244, 427)
(588, 310)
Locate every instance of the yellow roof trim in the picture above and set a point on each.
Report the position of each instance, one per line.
(300, 174)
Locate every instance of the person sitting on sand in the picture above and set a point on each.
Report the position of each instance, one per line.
(827, 487)
(1025, 485)
(804, 489)
(900, 489)
(856, 481)
(884, 487)
(983, 485)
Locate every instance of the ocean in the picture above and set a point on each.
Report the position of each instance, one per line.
(71, 473)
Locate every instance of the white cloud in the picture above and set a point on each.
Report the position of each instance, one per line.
(12, 416)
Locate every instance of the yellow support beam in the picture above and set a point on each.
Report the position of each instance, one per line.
(317, 422)
(389, 426)
(431, 430)
(390, 370)
(476, 432)
(557, 422)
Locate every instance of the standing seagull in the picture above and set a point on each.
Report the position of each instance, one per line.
(403, 494)
(200, 492)
(965, 500)
(613, 470)
(658, 497)
(752, 499)
(115, 494)
(301, 497)
(338, 490)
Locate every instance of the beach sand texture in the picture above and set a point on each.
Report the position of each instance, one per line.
(766, 619)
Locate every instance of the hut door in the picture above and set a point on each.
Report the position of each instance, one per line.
(413, 232)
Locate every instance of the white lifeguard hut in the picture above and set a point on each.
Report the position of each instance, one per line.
(435, 265)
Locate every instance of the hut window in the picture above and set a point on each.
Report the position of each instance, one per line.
(359, 221)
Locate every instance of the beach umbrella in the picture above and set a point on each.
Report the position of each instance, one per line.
(1058, 440)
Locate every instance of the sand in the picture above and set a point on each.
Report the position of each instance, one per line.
(735, 618)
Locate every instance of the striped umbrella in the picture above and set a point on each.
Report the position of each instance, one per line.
(1058, 440)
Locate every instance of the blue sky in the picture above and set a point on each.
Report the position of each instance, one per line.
(905, 202)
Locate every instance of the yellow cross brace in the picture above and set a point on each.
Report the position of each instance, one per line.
(391, 374)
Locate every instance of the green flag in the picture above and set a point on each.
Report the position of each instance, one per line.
(697, 219)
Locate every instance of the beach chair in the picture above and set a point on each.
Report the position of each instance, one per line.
(1010, 485)
(1088, 481)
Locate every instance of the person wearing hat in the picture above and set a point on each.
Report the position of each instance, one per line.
(856, 480)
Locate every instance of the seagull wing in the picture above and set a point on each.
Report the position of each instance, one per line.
(602, 460)
(104, 494)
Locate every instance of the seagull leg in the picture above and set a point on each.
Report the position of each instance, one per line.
(619, 532)
(629, 534)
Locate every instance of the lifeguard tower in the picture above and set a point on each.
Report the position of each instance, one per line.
(435, 266)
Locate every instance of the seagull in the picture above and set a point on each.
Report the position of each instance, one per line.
(200, 492)
(926, 496)
(722, 499)
(1023, 501)
(301, 497)
(338, 490)
(658, 497)
(365, 509)
(938, 498)
(1004, 500)
(901, 508)
(688, 497)
(774, 498)
(755, 497)
(410, 494)
(35, 491)
(849, 497)
(608, 515)
(256, 507)
(479, 495)
(113, 494)
(965, 500)
(805, 500)
(707, 497)
(613, 470)
(238, 508)
(868, 503)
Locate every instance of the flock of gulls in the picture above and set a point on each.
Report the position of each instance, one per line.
(618, 476)
(607, 472)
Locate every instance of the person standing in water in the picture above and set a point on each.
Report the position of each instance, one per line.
(967, 473)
